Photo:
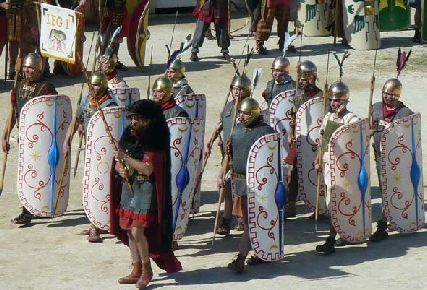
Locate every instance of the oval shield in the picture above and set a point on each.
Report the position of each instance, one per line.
(281, 110)
(308, 121)
(186, 145)
(98, 161)
(394, 15)
(361, 26)
(314, 16)
(43, 124)
(138, 33)
(125, 96)
(265, 200)
(401, 155)
(195, 105)
(350, 206)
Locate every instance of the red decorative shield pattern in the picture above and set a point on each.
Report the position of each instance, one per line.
(186, 139)
(400, 150)
(262, 177)
(98, 161)
(351, 212)
(308, 121)
(195, 106)
(36, 139)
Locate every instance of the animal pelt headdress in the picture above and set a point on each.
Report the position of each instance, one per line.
(153, 133)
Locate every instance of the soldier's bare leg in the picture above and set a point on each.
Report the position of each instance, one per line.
(133, 277)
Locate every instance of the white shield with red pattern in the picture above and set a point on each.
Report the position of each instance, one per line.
(195, 106)
(43, 124)
(308, 121)
(402, 174)
(264, 178)
(350, 200)
(185, 145)
(98, 162)
(125, 96)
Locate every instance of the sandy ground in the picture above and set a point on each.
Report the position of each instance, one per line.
(50, 253)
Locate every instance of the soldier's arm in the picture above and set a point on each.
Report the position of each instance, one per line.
(212, 138)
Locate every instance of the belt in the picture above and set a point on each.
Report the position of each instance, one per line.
(238, 175)
(140, 178)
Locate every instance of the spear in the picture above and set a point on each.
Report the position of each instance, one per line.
(325, 97)
(81, 134)
(371, 93)
(112, 141)
(13, 114)
(280, 195)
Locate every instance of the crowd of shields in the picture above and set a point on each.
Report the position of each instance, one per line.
(144, 159)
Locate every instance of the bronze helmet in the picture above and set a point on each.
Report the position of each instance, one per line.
(100, 79)
(179, 68)
(307, 70)
(34, 61)
(164, 84)
(108, 61)
(339, 91)
(250, 106)
(393, 87)
(281, 63)
(244, 83)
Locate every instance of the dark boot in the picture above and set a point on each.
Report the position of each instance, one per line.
(224, 228)
(381, 233)
(194, 56)
(24, 218)
(327, 248)
(290, 210)
(417, 36)
(145, 278)
(260, 48)
(133, 277)
(238, 264)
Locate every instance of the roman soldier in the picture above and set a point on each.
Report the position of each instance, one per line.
(107, 64)
(143, 219)
(307, 76)
(98, 98)
(240, 89)
(281, 80)
(337, 116)
(162, 90)
(30, 87)
(250, 128)
(388, 110)
(176, 73)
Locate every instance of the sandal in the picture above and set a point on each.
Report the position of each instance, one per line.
(254, 260)
(238, 264)
(174, 246)
(24, 218)
(224, 228)
(94, 235)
